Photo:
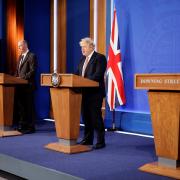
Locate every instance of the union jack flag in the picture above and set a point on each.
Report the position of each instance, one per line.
(115, 85)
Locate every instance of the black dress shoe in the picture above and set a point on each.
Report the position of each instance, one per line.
(85, 142)
(27, 131)
(19, 129)
(99, 145)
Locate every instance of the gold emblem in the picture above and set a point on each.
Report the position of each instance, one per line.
(55, 79)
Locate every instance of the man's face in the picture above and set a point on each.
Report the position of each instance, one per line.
(22, 47)
(86, 49)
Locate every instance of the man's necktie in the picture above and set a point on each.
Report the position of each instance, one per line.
(21, 61)
(85, 65)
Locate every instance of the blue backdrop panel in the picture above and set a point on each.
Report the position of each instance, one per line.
(1, 18)
(77, 28)
(37, 33)
(150, 42)
(149, 34)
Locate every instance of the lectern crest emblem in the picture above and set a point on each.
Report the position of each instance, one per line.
(55, 79)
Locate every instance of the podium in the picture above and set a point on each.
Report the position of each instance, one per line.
(164, 101)
(66, 107)
(7, 85)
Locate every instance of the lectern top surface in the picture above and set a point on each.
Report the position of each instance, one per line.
(8, 79)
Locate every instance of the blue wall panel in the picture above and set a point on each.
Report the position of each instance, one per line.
(37, 33)
(150, 42)
(1, 18)
(149, 34)
(77, 28)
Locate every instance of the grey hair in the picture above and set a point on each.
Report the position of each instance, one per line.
(88, 41)
(24, 42)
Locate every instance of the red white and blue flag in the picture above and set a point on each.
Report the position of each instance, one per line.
(115, 83)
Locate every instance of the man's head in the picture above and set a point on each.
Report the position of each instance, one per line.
(22, 46)
(87, 46)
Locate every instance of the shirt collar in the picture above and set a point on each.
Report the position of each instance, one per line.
(89, 57)
(24, 54)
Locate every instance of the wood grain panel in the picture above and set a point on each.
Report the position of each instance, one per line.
(68, 149)
(165, 113)
(161, 170)
(61, 62)
(1, 106)
(6, 79)
(11, 49)
(163, 81)
(14, 32)
(62, 36)
(66, 109)
(92, 19)
(101, 24)
(6, 105)
(19, 20)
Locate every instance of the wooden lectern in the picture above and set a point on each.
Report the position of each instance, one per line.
(66, 106)
(7, 85)
(164, 100)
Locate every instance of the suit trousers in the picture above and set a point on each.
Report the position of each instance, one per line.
(92, 117)
(24, 115)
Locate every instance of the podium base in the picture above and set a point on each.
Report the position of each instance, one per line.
(68, 149)
(9, 133)
(154, 168)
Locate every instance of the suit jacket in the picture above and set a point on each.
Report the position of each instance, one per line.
(27, 69)
(95, 71)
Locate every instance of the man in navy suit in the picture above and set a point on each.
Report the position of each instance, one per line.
(24, 105)
(93, 67)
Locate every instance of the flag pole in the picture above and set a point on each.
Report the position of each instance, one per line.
(113, 122)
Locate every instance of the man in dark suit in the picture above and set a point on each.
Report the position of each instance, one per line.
(24, 105)
(93, 67)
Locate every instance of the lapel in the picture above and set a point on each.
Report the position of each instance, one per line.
(19, 60)
(24, 60)
(90, 61)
